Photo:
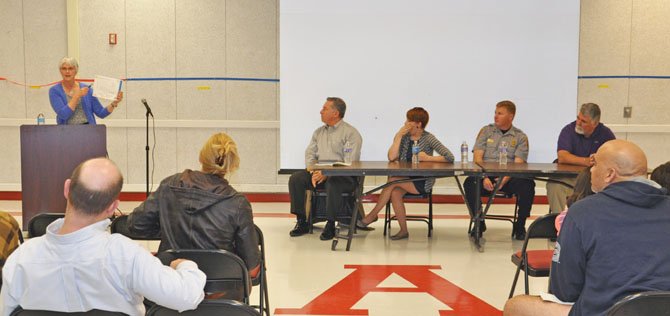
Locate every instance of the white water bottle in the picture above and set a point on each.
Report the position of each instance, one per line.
(415, 152)
(503, 153)
(348, 151)
(464, 152)
(40, 119)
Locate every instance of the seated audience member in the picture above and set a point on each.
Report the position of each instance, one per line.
(581, 190)
(576, 143)
(79, 266)
(9, 237)
(489, 140)
(401, 150)
(327, 144)
(200, 209)
(609, 242)
(661, 175)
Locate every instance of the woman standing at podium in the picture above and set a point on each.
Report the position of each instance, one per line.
(73, 101)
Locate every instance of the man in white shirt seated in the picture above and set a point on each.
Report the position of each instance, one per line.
(79, 266)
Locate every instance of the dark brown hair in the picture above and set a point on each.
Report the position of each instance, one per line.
(661, 175)
(582, 187)
(418, 114)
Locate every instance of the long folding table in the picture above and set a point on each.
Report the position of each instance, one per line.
(540, 171)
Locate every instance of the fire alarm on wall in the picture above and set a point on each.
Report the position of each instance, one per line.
(112, 38)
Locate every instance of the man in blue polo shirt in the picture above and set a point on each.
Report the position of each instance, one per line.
(576, 143)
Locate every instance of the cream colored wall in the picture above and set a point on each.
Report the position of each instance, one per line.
(239, 38)
(628, 38)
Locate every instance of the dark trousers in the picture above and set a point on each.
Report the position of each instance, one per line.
(524, 189)
(301, 181)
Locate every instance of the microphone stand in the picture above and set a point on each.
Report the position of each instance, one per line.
(146, 149)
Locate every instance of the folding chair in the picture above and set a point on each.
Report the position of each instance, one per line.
(318, 213)
(120, 226)
(652, 303)
(428, 219)
(31, 312)
(536, 263)
(261, 279)
(512, 219)
(226, 272)
(209, 308)
(37, 226)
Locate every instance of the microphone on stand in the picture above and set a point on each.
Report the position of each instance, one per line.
(146, 106)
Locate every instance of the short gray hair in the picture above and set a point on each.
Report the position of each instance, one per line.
(339, 105)
(69, 61)
(591, 110)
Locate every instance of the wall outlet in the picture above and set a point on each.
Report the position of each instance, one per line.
(627, 111)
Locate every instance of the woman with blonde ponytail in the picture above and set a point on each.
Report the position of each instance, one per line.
(200, 209)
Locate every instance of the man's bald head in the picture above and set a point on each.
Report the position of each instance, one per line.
(617, 160)
(94, 185)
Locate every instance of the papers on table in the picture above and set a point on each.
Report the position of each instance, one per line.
(106, 88)
(332, 164)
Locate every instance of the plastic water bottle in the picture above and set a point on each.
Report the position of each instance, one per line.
(503, 153)
(40, 119)
(464, 152)
(348, 151)
(415, 152)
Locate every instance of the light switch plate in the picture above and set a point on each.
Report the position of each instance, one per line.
(627, 111)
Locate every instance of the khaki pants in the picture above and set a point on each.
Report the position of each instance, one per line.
(558, 193)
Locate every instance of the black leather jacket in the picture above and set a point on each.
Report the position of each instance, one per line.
(195, 210)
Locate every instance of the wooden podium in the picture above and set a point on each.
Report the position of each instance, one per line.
(49, 153)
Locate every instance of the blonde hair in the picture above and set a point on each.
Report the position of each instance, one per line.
(219, 155)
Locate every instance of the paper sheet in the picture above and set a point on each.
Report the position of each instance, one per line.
(552, 298)
(106, 88)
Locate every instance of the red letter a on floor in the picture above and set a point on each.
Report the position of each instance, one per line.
(339, 299)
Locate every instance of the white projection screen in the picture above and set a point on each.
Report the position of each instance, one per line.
(455, 58)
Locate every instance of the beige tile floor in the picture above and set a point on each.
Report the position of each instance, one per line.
(304, 273)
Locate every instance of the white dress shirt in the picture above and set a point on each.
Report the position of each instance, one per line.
(93, 269)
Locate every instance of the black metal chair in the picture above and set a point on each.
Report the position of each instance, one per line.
(428, 219)
(31, 312)
(261, 279)
(535, 263)
(317, 211)
(120, 226)
(226, 273)
(652, 303)
(209, 308)
(37, 226)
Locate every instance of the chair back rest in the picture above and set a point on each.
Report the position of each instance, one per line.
(37, 226)
(31, 312)
(543, 227)
(209, 308)
(120, 226)
(653, 303)
(226, 272)
(261, 243)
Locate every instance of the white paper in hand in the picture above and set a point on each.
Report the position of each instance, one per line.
(106, 88)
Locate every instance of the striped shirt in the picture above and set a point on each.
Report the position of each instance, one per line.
(427, 144)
